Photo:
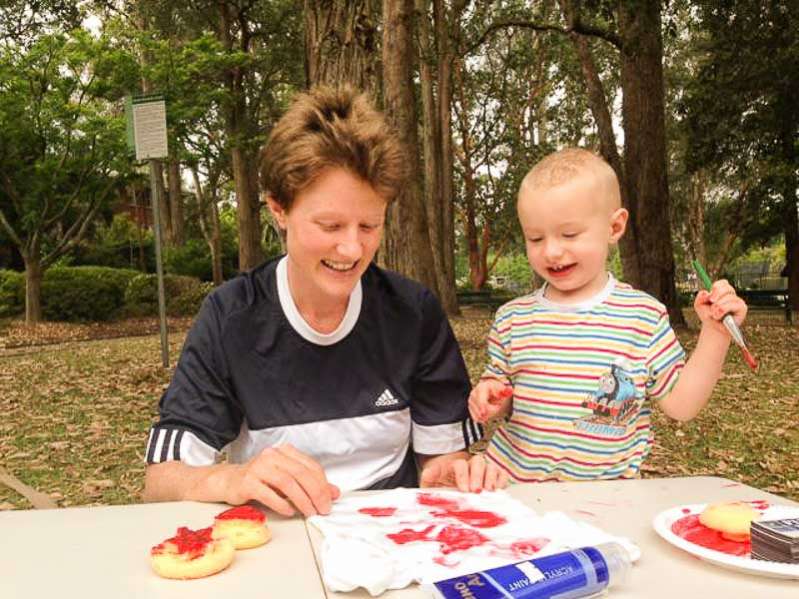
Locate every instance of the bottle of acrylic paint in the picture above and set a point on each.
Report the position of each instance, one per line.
(577, 573)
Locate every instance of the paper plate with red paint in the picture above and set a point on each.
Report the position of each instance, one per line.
(680, 526)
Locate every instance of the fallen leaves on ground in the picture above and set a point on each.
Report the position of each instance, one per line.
(16, 334)
(76, 414)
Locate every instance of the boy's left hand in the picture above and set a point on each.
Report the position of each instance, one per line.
(711, 306)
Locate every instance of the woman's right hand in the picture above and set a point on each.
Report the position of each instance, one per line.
(489, 399)
(283, 479)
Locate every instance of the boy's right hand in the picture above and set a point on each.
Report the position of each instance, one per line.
(489, 399)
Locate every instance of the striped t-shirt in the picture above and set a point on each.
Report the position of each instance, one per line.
(580, 376)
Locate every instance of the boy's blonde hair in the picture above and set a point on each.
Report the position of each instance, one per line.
(331, 127)
(569, 164)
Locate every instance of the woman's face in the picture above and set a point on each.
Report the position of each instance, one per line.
(333, 230)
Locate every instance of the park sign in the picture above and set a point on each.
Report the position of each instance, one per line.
(146, 120)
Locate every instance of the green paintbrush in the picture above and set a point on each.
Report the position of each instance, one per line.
(728, 320)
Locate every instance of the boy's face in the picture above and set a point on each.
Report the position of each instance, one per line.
(567, 230)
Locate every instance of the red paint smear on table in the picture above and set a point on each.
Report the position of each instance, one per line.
(186, 541)
(693, 531)
(759, 504)
(242, 512)
(378, 512)
(586, 512)
(451, 538)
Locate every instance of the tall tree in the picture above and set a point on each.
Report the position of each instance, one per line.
(62, 148)
(407, 239)
(437, 28)
(638, 39)
(743, 115)
(341, 42)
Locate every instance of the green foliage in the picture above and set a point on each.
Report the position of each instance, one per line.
(62, 152)
(84, 293)
(116, 245)
(183, 295)
(516, 270)
(12, 293)
(740, 117)
(193, 259)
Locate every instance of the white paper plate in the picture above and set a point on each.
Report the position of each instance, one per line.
(663, 521)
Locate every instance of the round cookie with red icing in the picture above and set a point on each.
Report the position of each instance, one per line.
(733, 520)
(191, 554)
(245, 527)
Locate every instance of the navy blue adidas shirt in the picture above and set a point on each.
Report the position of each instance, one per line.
(390, 381)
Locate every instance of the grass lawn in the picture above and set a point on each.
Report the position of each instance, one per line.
(76, 414)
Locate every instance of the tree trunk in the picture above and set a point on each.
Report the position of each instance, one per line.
(215, 243)
(438, 194)
(248, 210)
(33, 287)
(244, 165)
(792, 252)
(446, 200)
(164, 212)
(407, 241)
(598, 103)
(341, 43)
(206, 206)
(139, 210)
(175, 201)
(645, 149)
(695, 220)
(789, 187)
(477, 270)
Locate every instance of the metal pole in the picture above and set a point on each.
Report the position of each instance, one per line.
(159, 270)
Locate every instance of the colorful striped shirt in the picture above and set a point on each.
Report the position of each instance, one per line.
(581, 376)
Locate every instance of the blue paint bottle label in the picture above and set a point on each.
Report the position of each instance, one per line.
(569, 575)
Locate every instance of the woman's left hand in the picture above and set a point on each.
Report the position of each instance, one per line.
(465, 473)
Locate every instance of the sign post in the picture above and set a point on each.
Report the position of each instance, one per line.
(147, 123)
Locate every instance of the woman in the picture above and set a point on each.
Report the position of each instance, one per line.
(318, 372)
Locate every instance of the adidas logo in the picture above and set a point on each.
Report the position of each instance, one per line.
(386, 399)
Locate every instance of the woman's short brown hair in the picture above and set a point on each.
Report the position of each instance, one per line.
(331, 127)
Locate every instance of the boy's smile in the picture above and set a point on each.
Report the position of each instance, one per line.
(561, 271)
(568, 229)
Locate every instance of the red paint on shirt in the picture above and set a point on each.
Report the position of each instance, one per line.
(242, 512)
(692, 530)
(436, 501)
(476, 518)
(407, 535)
(378, 512)
(458, 538)
(189, 542)
(451, 538)
(529, 546)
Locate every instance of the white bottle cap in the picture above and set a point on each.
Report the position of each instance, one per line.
(618, 560)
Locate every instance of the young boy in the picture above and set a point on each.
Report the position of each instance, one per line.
(572, 364)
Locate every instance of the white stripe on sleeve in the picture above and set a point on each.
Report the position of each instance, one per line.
(438, 439)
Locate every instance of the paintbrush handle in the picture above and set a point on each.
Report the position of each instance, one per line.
(734, 330)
